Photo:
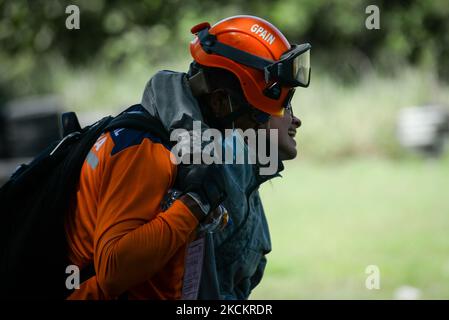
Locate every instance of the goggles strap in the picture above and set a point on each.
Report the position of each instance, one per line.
(234, 115)
(210, 44)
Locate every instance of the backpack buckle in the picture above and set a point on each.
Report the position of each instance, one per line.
(64, 140)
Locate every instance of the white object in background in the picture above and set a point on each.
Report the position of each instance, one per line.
(422, 127)
(407, 293)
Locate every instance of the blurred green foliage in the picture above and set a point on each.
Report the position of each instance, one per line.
(341, 121)
(361, 77)
(34, 40)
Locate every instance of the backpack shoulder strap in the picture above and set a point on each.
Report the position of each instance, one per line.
(142, 121)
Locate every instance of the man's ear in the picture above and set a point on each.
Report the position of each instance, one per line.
(218, 102)
(265, 126)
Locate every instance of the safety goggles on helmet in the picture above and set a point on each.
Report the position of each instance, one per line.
(292, 70)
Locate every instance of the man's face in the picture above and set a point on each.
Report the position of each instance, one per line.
(286, 126)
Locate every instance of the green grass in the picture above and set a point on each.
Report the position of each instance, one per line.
(330, 221)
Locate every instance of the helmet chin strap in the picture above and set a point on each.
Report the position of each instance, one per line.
(230, 106)
(230, 118)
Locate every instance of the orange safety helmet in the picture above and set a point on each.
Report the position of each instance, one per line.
(254, 50)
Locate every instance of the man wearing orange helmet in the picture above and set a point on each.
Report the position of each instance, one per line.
(244, 71)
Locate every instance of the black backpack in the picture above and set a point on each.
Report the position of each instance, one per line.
(33, 256)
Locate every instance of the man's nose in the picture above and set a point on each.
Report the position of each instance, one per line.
(296, 122)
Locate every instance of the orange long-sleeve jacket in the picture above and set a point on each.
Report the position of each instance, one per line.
(117, 222)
